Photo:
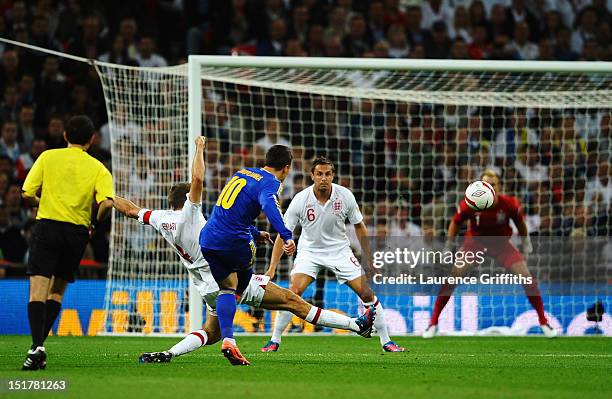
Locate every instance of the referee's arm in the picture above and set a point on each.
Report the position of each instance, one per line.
(104, 194)
(33, 183)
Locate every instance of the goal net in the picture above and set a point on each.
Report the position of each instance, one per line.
(407, 137)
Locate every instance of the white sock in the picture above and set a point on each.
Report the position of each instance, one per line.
(379, 321)
(283, 318)
(190, 343)
(327, 318)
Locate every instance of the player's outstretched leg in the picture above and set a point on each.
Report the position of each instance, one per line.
(277, 298)
(299, 283)
(441, 300)
(209, 335)
(535, 298)
(446, 291)
(362, 289)
(282, 320)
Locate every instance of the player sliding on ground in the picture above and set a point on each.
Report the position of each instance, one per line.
(490, 231)
(180, 227)
(322, 210)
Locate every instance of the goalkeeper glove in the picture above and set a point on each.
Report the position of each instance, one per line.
(527, 247)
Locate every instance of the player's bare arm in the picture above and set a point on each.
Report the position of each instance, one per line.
(126, 207)
(277, 252)
(198, 169)
(453, 230)
(527, 248)
(366, 254)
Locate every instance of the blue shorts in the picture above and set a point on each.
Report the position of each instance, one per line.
(237, 260)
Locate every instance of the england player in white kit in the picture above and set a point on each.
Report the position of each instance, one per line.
(322, 210)
(181, 227)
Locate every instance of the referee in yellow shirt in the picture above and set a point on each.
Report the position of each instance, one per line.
(63, 184)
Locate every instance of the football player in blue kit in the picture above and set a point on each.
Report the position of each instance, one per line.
(228, 239)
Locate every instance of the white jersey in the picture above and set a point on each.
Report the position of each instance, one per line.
(323, 226)
(181, 229)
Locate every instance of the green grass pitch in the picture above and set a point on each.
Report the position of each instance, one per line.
(324, 367)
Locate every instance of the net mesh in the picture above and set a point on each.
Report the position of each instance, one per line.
(407, 143)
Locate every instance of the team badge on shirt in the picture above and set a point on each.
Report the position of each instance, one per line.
(337, 206)
(501, 217)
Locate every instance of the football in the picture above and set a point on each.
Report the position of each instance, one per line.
(479, 195)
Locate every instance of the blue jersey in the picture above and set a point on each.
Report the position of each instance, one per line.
(245, 195)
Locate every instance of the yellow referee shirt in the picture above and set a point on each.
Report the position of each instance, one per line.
(70, 178)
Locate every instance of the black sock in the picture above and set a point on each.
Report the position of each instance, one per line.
(36, 316)
(52, 310)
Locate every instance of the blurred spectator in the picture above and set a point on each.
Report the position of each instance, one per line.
(27, 90)
(398, 43)
(275, 43)
(146, 56)
(521, 46)
(459, 51)
(436, 10)
(81, 104)
(518, 13)
(416, 34)
(333, 47)
(127, 31)
(12, 244)
(315, 43)
(357, 42)
(52, 89)
(599, 189)
(501, 24)
(272, 135)
(54, 136)
(26, 160)
(41, 36)
(529, 169)
(478, 14)
(90, 44)
(563, 49)
(586, 29)
(8, 141)
(337, 22)
(552, 23)
(376, 21)
(461, 25)
(118, 53)
(294, 49)
(9, 108)
(299, 23)
(10, 74)
(26, 129)
(18, 215)
(438, 46)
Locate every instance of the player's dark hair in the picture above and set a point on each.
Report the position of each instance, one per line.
(279, 156)
(178, 194)
(322, 161)
(79, 130)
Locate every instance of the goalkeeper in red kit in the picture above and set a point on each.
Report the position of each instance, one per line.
(490, 231)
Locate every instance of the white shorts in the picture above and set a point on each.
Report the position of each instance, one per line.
(253, 294)
(343, 264)
(206, 285)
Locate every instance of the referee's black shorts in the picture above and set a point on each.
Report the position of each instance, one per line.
(56, 249)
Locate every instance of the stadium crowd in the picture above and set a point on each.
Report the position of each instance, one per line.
(559, 164)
